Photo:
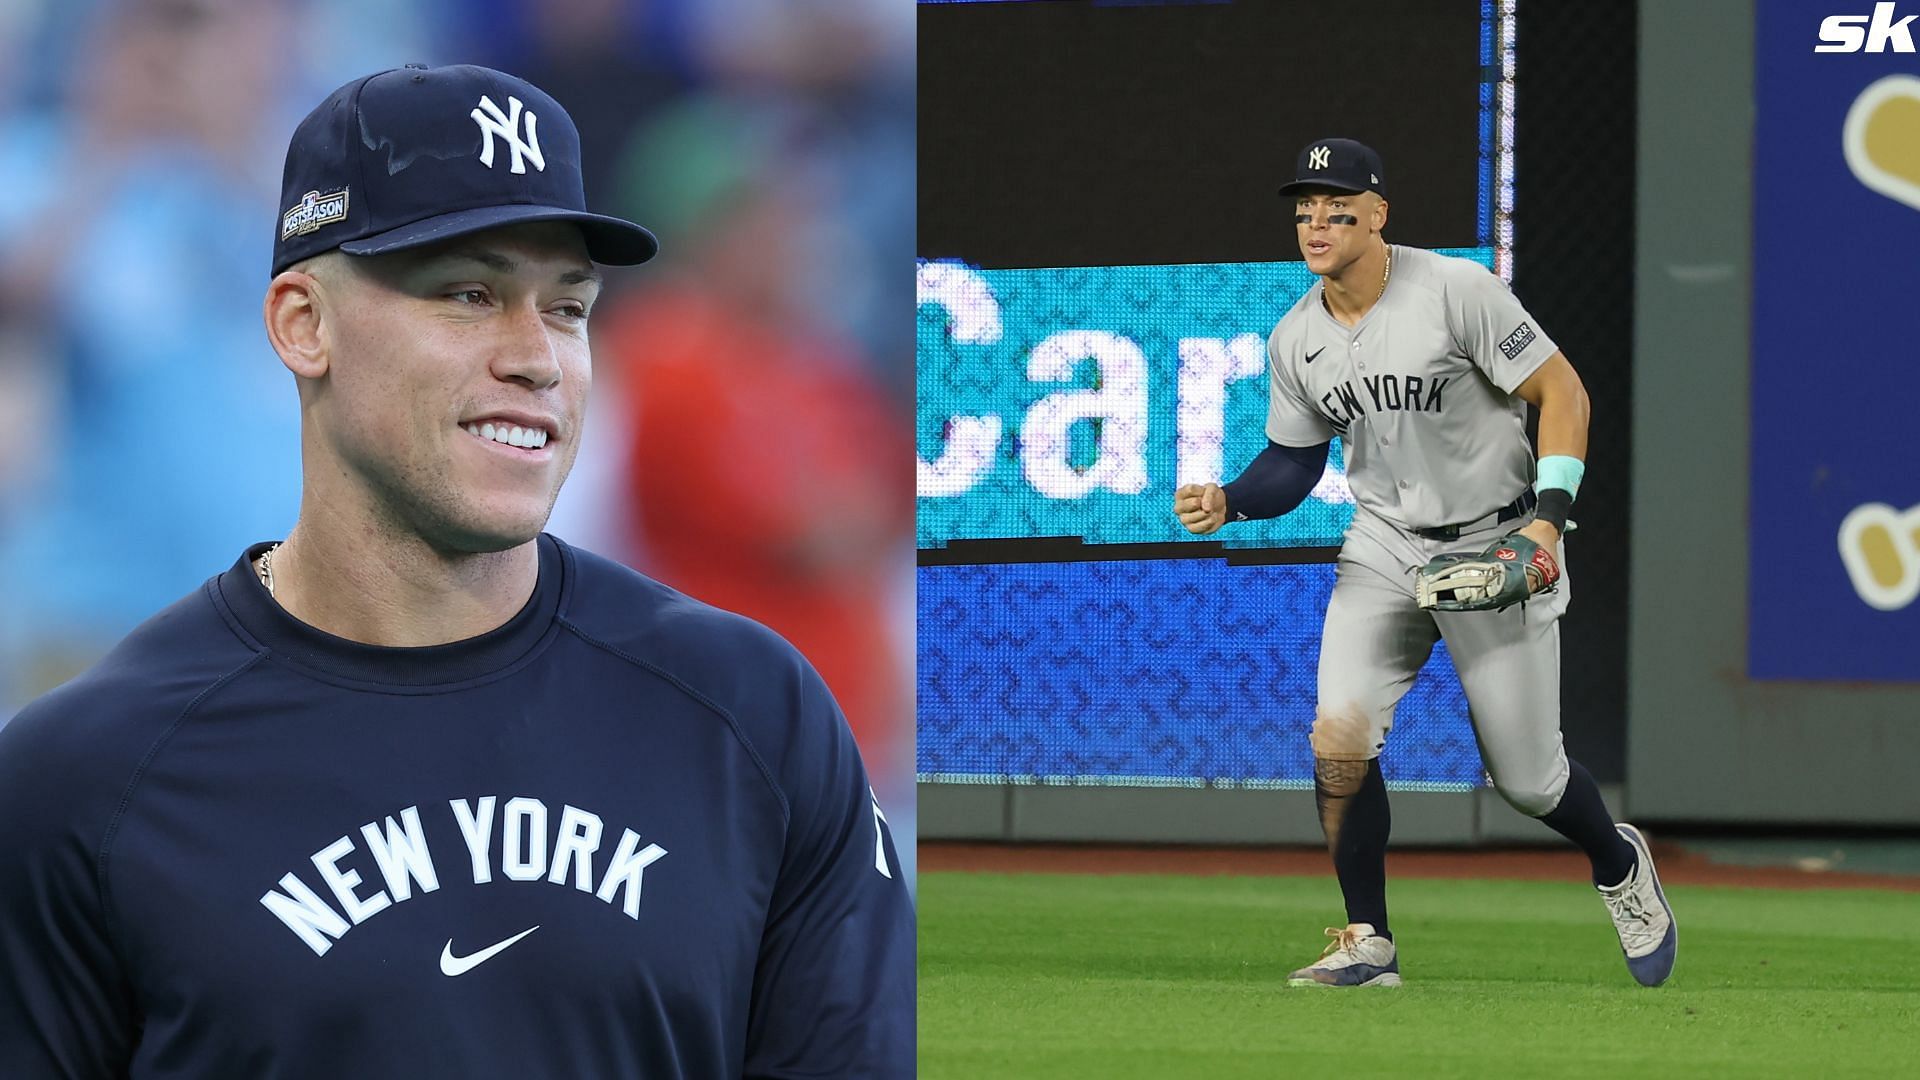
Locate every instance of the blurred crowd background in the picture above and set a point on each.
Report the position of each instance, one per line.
(757, 373)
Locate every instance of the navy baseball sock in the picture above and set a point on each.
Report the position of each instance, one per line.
(1582, 818)
(1352, 797)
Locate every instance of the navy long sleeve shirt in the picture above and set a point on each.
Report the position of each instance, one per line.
(623, 835)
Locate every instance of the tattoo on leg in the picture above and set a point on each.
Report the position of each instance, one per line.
(1352, 796)
(1334, 785)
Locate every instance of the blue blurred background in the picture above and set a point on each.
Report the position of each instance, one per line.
(148, 432)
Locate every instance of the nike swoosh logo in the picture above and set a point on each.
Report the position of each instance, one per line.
(460, 965)
(1315, 353)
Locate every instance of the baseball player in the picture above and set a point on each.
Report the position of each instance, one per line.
(421, 791)
(1424, 365)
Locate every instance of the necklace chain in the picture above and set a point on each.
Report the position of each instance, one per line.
(1385, 275)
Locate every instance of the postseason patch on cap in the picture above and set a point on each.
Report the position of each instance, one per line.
(312, 211)
(1517, 341)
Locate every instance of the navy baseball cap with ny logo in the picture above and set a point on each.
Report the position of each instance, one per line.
(419, 154)
(1337, 165)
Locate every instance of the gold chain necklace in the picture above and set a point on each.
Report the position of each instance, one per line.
(1385, 276)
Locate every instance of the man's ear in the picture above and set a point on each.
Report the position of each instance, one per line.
(1379, 213)
(296, 323)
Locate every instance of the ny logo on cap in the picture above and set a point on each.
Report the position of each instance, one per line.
(1317, 157)
(507, 125)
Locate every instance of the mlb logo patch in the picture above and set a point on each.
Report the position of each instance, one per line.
(1517, 341)
(312, 211)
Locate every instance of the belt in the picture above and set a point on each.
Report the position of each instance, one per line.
(1517, 508)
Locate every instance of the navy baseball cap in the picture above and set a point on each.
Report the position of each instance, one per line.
(420, 154)
(1338, 165)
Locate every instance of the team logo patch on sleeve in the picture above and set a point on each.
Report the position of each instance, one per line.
(312, 211)
(1517, 341)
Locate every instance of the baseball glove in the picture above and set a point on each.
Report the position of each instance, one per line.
(1509, 571)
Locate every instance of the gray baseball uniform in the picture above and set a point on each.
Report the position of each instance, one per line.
(1420, 392)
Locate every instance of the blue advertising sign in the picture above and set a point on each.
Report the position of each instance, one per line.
(1071, 402)
(1835, 532)
(1166, 673)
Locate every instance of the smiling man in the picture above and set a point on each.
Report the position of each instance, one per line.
(420, 790)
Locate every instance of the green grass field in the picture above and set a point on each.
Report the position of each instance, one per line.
(1042, 975)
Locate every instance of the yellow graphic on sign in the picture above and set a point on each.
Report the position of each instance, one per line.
(1880, 547)
(1882, 138)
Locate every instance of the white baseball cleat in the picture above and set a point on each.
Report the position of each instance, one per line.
(1357, 957)
(1642, 917)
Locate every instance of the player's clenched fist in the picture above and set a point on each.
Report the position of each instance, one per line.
(1202, 508)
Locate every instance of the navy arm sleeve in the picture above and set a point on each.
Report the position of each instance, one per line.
(1275, 481)
(833, 992)
(65, 1004)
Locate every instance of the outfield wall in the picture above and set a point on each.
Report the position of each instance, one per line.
(1087, 341)
(1761, 688)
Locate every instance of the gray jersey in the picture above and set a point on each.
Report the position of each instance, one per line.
(1420, 391)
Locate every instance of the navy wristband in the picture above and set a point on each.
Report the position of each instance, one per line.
(1555, 504)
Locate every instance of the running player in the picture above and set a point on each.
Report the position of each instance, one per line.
(422, 791)
(1424, 365)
